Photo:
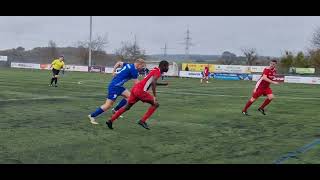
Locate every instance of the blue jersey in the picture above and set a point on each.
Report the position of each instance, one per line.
(127, 72)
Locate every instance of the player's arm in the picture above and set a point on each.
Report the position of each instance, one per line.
(117, 65)
(265, 78)
(154, 85)
(62, 68)
(53, 62)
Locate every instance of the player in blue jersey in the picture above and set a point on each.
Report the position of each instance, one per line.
(115, 88)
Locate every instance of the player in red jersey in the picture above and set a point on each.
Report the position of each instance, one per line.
(205, 74)
(263, 88)
(139, 92)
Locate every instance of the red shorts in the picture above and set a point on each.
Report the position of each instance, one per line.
(138, 94)
(259, 92)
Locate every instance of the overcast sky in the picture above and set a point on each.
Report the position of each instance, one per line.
(270, 35)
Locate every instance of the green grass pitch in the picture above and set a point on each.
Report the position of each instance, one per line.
(195, 123)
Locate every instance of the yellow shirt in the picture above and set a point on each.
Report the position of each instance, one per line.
(57, 64)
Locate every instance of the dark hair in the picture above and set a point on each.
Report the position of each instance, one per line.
(163, 63)
(274, 60)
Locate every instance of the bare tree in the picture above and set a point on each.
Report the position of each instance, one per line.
(251, 55)
(20, 48)
(52, 49)
(130, 52)
(315, 41)
(83, 55)
(315, 59)
(227, 58)
(98, 44)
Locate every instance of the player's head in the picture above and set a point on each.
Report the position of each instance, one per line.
(164, 66)
(61, 58)
(273, 63)
(139, 63)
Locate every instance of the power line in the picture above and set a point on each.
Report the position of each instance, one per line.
(165, 50)
(188, 44)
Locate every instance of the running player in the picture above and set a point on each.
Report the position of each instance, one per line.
(263, 88)
(205, 74)
(56, 66)
(115, 88)
(139, 92)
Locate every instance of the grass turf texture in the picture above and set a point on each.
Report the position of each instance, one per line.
(195, 123)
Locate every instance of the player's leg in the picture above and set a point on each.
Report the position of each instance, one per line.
(123, 102)
(53, 77)
(267, 101)
(107, 105)
(52, 80)
(56, 79)
(113, 93)
(131, 101)
(256, 94)
(116, 115)
(148, 98)
(207, 78)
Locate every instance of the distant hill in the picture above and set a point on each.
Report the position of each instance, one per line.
(73, 55)
(79, 56)
(214, 59)
(182, 57)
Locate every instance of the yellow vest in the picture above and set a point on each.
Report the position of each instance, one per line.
(57, 64)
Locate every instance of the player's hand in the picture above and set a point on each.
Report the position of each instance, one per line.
(114, 74)
(155, 100)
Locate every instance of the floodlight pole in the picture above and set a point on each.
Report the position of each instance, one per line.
(90, 41)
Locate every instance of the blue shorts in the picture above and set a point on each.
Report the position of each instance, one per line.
(114, 92)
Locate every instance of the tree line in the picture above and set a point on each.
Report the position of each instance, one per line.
(129, 51)
(77, 54)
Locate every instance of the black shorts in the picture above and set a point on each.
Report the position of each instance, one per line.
(55, 72)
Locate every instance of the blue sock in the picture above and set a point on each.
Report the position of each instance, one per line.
(97, 112)
(122, 103)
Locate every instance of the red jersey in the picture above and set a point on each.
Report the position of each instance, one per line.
(147, 81)
(206, 71)
(271, 73)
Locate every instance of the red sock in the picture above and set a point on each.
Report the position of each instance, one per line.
(265, 103)
(247, 106)
(150, 111)
(117, 114)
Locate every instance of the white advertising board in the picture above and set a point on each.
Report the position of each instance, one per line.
(25, 65)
